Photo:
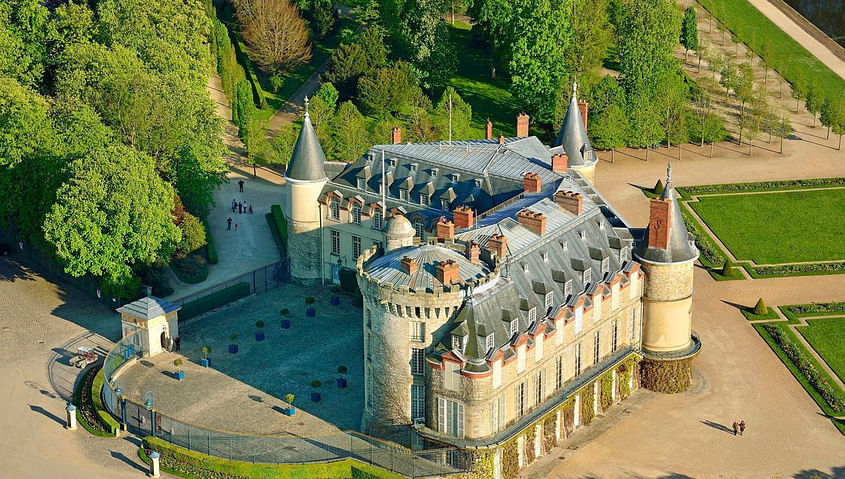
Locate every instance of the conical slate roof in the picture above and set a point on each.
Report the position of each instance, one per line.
(680, 247)
(573, 135)
(306, 163)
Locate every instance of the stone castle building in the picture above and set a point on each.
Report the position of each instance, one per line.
(505, 301)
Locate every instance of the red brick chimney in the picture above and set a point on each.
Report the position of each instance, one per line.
(584, 108)
(522, 125)
(498, 245)
(501, 139)
(463, 217)
(473, 252)
(448, 271)
(560, 163)
(445, 230)
(570, 201)
(658, 223)
(409, 264)
(397, 135)
(536, 222)
(531, 183)
(489, 130)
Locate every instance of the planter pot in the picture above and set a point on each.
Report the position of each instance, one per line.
(233, 348)
(315, 396)
(290, 411)
(180, 375)
(259, 335)
(285, 324)
(205, 362)
(341, 383)
(335, 300)
(310, 312)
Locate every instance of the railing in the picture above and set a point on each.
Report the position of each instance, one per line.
(272, 449)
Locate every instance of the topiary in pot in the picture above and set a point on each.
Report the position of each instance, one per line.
(310, 311)
(315, 395)
(179, 374)
(760, 308)
(290, 410)
(285, 323)
(233, 348)
(341, 382)
(206, 350)
(259, 335)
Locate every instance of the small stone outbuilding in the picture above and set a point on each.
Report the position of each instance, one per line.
(158, 317)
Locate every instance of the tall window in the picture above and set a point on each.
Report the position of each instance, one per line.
(356, 214)
(450, 417)
(549, 299)
(362, 183)
(623, 254)
(417, 402)
(458, 342)
(605, 266)
(369, 346)
(615, 340)
(417, 358)
(418, 226)
(519, 398)
(452, 376)
(578, 359)
(559, 372)
(378, 220)
(567, 288)
(334, 209)
(596, 347)
(356, 246)
(403, 194)
(588, 276)
(335, 242)
(425, 199)
(514, 326)
(445, 205)
(417, 331)
(532, 315)
(539, 389)
(490, 342)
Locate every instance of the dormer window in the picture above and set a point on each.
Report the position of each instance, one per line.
(458, 343)
(623, 254)
(514, 326)
(454, 177)
(532, 315)
(362, 183)
(445, 205)
(412, 167)
(477, 182)
(565, 245)
(378, 220)
(489, 342)
(583, 235)
(567, 288)
(545, 256)
(549, 299)
(390, 162)
(425, 199)
(418, 225)
(356, 214)
(403, 194)
(434, 172)
(587, 276)
(334, 210)
(605, 266)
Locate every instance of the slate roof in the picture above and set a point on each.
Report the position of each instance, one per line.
(681, 245)
(572, 136)
(149, 307)
(388, 268)
(307, 161)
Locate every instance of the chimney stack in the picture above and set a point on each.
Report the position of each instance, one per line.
(473, 252)
(522, 125)
(501, 139)
(584, 108)
(658, 223)
(409, 264)
(560, 163)
(397, 135)
(445, 230)
(447, 271)
(463, 217)
(489, 130)
(570, 201)
(536, 222)
(498, 245)
(532, 183)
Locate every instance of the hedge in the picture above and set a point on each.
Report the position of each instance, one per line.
(240, 51)
(210, 246)
(97, 398)
(281, 223)
(90, 412)
(274, 232)
(184, 463)
(689, 191)
(214, 300)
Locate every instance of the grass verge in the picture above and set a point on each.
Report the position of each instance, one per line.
(825, 336)
(749, 314)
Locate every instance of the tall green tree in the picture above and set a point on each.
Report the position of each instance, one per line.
(592, 37)
(23, 50)
(349, 132)
(352, 60)
(689, 31)
(813, 99)
(452, 105)
(647, 33)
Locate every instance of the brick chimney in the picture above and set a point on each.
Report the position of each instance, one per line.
(570, 201)
(501, 139)
(448, 271)
(409, 264)
(584, 108)
(560, 163)
(397, 135)
(445, 230)
(473, 252)
(522, 125)
(536, 222)
(463, 217)
(489, 130)
(658, 223)
(498, 245)
(531, 183)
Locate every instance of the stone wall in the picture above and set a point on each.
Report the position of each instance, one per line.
(668, 306)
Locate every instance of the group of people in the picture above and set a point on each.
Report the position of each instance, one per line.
(739, 427)
(240, 206)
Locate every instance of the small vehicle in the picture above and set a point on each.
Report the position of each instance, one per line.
(84, 356)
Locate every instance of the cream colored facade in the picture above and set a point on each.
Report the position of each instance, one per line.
(302, 212)
(156, 331)
(667, 306)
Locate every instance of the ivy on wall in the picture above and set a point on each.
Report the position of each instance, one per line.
(510, 459)
(624, 372)
(482, 462)
(606, 390)
(587, 412)
(668, 377)
(549, 437)
(530, 437)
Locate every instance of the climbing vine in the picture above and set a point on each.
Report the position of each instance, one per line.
(587, 412)
(530, 437)
(549, 436)
(480, 462)
(624, 373)
(606, 390)
(510, 459)
(667, 377)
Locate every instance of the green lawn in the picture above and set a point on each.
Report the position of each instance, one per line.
(785, 54)
(779, 227)
(825, 335)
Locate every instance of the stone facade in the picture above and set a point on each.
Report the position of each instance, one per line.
(668, 306)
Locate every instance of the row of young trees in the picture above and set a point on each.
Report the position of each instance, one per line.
(105, 127)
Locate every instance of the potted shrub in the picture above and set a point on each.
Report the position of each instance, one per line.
(233, 348)
(259, 335)
(290, 411)
(206, 361)
(335, 299)
(341, 381)
(179, 374)
(315, 394)
(310, 311)
(285, 318)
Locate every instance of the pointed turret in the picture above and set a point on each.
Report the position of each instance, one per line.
(306, 162)
(666, 239)
(573, 135)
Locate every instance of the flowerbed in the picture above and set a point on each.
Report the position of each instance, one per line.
(89, 411)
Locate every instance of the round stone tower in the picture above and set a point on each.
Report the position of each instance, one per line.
(399, 233)
(667, 255)
(305, 177)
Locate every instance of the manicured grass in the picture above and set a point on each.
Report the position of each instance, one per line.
(826, 335)
(779, 227)
(785, 55)
(749, 314)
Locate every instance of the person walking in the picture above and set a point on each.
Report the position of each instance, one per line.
(234, 205)
(245, 205)
(237, 227)
(735, 426)
(241, 185)
(240, 208)
(250, 209)
(741, 427)
(229, 223)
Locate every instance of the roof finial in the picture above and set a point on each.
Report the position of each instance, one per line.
(306, 105)
(574, 86)
(669, 172)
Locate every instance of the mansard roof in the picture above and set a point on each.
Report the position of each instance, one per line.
(307, 161)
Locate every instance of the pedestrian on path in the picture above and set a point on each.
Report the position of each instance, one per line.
(238, 227)
(234, 205)
(245, 205)
(736, 426)
(240, 208)
(741, 427)
(229, 223)
(250, 209)
(241, 185)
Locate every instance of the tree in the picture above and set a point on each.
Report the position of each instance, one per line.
(350, 61)
(827, 115)
(112, 213)
(689, 31)
(350, 138)
(458, 127)
(671, 94)
(25, 126)
(608, 121)
(321, 114)
(255, 141)
(798, 90)
(322, 15)
(274, 32)
(783, 128)
(388, 89)
(728, 77)
(193, 235)
(23, 52)
(834, 116)
(707, 125)
(328, 93)
(813, 99)
(283, 144)
(592, 37)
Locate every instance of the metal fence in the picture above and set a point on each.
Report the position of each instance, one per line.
(145, 419)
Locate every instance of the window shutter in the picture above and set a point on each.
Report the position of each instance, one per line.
(460, 420)
(441, 414)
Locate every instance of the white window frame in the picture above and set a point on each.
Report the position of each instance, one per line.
(378, 219)
(335, 242)
(452, 376)
(445, 205)
(356, 247)
(450, 417)
(559, 372)
(417, 402)
(567, 288)
(596, 347)
(334, 210)
(605, 266)
(519, 400)
(458, 342)
(419, 227)
(514, 326)
(623, 254)
(615, 336)
(403, 194)
(539, 386)
(417, 361)
(532, 314)
(417, 331)
(549, 299)
(587, 277)
(489, 342)
(362, 183)
(356, 214)
(425, 199)
(578, 359)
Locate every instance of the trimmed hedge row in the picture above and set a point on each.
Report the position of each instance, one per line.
(182, 462)
(210, 246)
(814, 309)
(240, 52)
(688, 191)
(207, 303)
(796, 270)
(281, 223)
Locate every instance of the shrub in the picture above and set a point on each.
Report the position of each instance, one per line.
(316, 384)
(760, 308)
(342, 369)
(192, 268)
(289, 397)
(193, 235)
(178, 362)
(727, 268)
(244, 106)
(210, 247)
(658, 188)
(310, 300)
(259, 324)
(233, 337)
(285, 311)
(206, 350)
(89, 406)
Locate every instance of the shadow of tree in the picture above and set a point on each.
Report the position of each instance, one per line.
(838, 471)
